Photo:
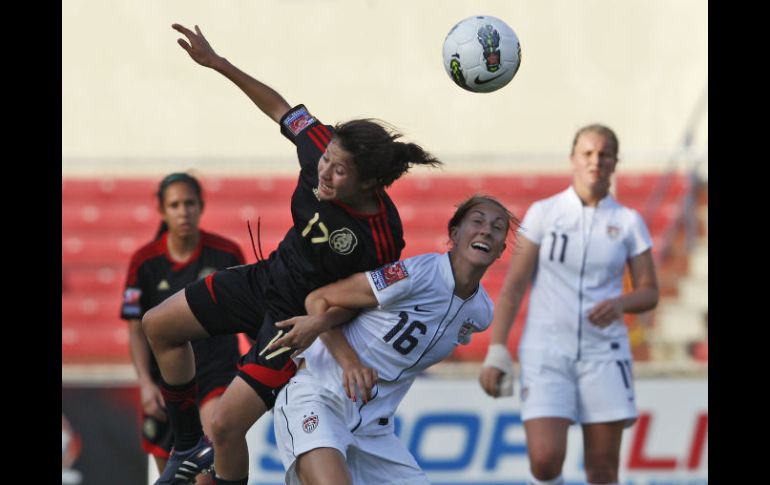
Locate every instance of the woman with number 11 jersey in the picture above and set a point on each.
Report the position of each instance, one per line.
(575, 354)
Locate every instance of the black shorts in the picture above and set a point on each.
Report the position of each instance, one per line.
(216, 362)
(239, 300)
(230, 301)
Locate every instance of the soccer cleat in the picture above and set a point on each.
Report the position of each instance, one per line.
(183, 466)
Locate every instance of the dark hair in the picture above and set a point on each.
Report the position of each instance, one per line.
(601, 130)
(465, 206)
(376, 153)
(173, 178)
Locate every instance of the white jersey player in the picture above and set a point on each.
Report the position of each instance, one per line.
(575, 355)
(417, 311)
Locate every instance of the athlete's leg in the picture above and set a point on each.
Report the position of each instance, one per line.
(170, 327)
(546, 446)
(323, 466)
(237, 410)
(207, 414)
(160, 463)
(601, 443)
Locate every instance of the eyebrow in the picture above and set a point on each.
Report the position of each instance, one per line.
(498, 218)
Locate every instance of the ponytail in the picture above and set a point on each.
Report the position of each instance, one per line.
(161, 229)
(376, 153)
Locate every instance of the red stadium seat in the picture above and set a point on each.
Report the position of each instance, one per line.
(91, 342)
(105, 221)
(93, 280)
(88, 309)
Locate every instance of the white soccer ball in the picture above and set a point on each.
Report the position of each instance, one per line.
(481, 53)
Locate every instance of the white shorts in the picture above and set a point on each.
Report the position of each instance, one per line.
(309, 416)
(585, 391)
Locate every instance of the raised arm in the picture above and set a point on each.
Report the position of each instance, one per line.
(498, 361)
(266, 99)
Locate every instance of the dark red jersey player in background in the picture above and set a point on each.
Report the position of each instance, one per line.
(180, 254)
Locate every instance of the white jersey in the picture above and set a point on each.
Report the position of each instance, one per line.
(418, 322)
(582, 256)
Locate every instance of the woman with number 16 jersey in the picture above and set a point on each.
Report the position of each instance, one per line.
(415, 312)
(343, 223)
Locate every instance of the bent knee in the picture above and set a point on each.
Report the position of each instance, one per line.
(152, 324)
(225, 429)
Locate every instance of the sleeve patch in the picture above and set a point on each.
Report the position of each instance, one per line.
(464, 335)
(298, 120)
(131, 304)
(389, 274)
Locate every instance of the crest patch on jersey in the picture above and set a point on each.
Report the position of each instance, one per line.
(464, 335)
(309, 423)
(298, 120)
(389, 274)
(343, 241)
(613, 231)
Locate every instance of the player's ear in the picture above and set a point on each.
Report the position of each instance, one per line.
(453, 234)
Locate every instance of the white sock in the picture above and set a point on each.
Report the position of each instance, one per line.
(554, 481)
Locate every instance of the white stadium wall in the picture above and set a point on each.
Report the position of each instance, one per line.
(132, 100)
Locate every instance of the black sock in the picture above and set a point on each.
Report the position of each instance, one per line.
(222, 481)
(183, 413)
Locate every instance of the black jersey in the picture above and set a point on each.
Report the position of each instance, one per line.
(153, 276)
(328, 240)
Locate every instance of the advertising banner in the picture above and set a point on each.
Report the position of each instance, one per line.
(460, 436)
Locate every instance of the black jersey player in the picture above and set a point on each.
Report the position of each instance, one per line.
(343, 223)
(180, 254)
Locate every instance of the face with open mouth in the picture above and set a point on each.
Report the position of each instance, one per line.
(337, 175)
(480, 237)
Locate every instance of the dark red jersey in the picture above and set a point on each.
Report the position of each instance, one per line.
(153, 276)
(328, 240)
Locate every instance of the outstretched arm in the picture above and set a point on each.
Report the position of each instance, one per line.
(266, 99)
(327, 308)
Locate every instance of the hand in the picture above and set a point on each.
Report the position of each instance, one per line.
(152, 401)
(490, 380)
(357, 375)
(198, 48)
(304, 331)
(606, 312)
(496, 376)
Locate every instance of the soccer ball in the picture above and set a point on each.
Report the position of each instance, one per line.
(481, 53)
